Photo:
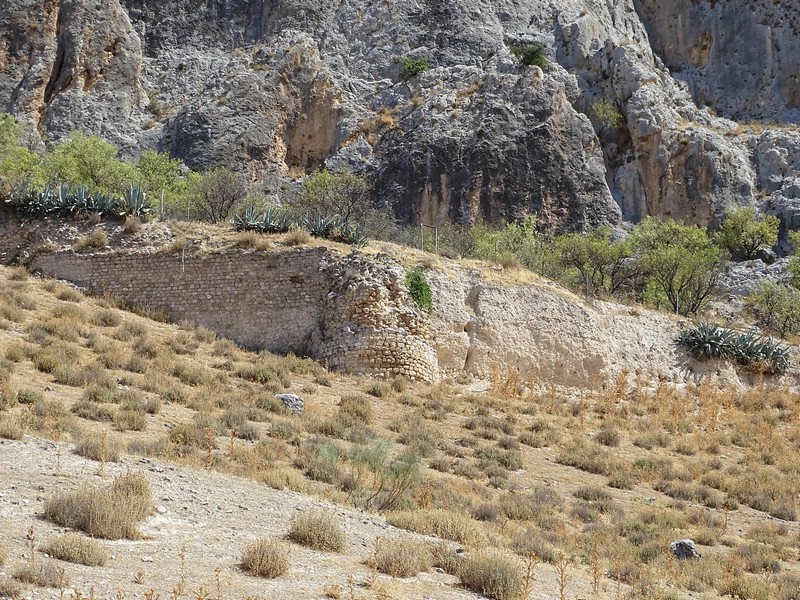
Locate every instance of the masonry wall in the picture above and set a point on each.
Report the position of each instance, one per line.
(266, 301)
(350, 313)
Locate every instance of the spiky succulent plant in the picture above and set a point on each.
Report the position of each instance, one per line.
(708, 341)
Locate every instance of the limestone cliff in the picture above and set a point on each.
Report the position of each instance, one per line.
(278, 89)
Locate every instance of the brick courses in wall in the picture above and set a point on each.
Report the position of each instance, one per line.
(353, 313)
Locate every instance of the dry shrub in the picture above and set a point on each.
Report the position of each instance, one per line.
(9, 588)
(530, 505)
(98, 446)
(112, 512)
(130, 420)
(18, 274)
(132, 225)
(356, 407)
(296, 237)
(319, 530)
(92, 411)
(54, 356)
(266, 558)
(93, 240)
(494, 574)
(608, 437)
(67, 293)
(400, 557)
(252, 240)
(75, 548)
(443, 523)
(70, 375)
(10, 428)
(189, 437)
(42, 574)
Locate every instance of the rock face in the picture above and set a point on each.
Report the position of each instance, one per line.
(739, 59)
(278, 89)
(544, 333)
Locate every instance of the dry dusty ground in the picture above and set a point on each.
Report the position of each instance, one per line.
(204, 515)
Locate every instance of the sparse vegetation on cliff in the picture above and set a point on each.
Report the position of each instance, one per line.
(411, 67)
(529, 53)
(419, 289)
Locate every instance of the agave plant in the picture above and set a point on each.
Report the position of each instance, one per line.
(34, 203)
(712, 341)
(319, 226)
(103, 204)
(61, 202)
(276, 221)
(775, 356)
(707, 341)
(134, 202)
(249, 220)
(354, 234)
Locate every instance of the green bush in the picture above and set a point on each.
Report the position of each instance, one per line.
(743, 233)
(777, 308)
(607, 113)
(411, 67)
(593, 262)
(419, 289)
(529, 53)
(679, 264)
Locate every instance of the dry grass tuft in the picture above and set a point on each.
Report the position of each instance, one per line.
(99, 447)
(94, 240)
(10, 428)
(296, 237)
(266, 558)
(75, 548)
(42, 574)
(9, 588)
(319, 530)
(494, 574)
(110, 513)
(443, 523)
(400, 557)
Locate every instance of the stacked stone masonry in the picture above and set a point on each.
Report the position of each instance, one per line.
(352, 314)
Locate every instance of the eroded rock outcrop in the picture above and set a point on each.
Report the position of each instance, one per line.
(278, 89)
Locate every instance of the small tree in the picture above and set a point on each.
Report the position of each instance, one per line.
(601, 266)
(326, 193)
(157, 173)
(607, 112)
(529, 53)
(19, 167)
(679, 263)
(743, 233)
(89, 161)
(518, 240)
(794, 263)
(777, 307)
(216, 193)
